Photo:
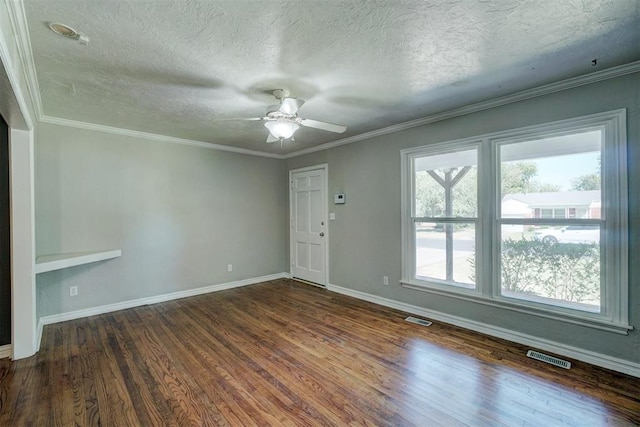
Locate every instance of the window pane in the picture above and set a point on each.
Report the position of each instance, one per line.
(558, 266)
(465, 194)
(429, 196)
(554, 175)
(446, 252)
(446, 185)
(556, 240)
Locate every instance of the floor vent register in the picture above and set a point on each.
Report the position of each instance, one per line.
(549, 359)
(418, 321)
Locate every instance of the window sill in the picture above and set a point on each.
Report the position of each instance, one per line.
(589, 322)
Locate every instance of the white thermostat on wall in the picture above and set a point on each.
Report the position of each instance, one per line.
(339, 199)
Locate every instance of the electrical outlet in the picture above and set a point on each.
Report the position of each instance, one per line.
(73, 291)
(385, 280)
(229, 268)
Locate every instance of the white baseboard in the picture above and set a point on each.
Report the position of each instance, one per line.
(598, 359)
(78, 314)
(5, 351)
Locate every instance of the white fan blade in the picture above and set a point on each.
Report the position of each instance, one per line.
(271, 138)
(290, 105)
(239, 119)
(323, 126)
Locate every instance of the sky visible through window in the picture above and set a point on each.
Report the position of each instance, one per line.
(561, 170)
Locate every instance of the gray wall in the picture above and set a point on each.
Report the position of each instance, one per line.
(179, 213)
(364, 239)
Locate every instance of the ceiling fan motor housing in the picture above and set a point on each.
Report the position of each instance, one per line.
(280, 93)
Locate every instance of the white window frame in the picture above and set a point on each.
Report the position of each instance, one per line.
(614, 316)
(444, 149)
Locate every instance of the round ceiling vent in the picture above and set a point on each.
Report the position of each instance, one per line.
(64, 30)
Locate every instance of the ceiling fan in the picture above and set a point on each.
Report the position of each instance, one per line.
(283, 121)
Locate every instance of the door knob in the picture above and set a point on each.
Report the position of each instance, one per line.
(321, 234)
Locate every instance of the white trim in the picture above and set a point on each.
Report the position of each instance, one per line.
(594, 358)
(583, 80)
(154, 137)
(519, 306)
(108, 308)
(9, 68)
(325, 168)
(39, 329)
(548, 89)
(309, 168)
(21, 34)
(19, 28)
(5, 351)
(407, 194)
(23, 285)
(617, 185)
(46, 263)
(613, 151)
(614, 317)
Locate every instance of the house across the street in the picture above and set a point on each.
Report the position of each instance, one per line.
(557, 204)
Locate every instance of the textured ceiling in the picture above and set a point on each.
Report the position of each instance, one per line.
(179, 68)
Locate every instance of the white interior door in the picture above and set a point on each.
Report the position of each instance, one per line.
(309, 225)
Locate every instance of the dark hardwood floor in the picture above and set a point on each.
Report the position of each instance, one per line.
(284, 353)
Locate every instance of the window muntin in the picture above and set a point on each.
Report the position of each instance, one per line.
(604, 221)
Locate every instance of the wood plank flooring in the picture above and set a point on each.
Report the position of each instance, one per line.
(282, 353)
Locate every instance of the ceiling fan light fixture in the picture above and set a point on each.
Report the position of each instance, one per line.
(281, 128)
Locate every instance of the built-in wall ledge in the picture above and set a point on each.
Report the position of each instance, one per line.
(46, 263)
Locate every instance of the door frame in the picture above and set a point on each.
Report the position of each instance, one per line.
(17, 112)
(325, 168)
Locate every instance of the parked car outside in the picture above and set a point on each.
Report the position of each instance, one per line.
(570, 234)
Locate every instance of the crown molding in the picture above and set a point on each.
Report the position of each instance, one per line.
(20, 31)
(571, 83)
(598, 76)
(10, 68)
(27, 120)
(154, 137)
